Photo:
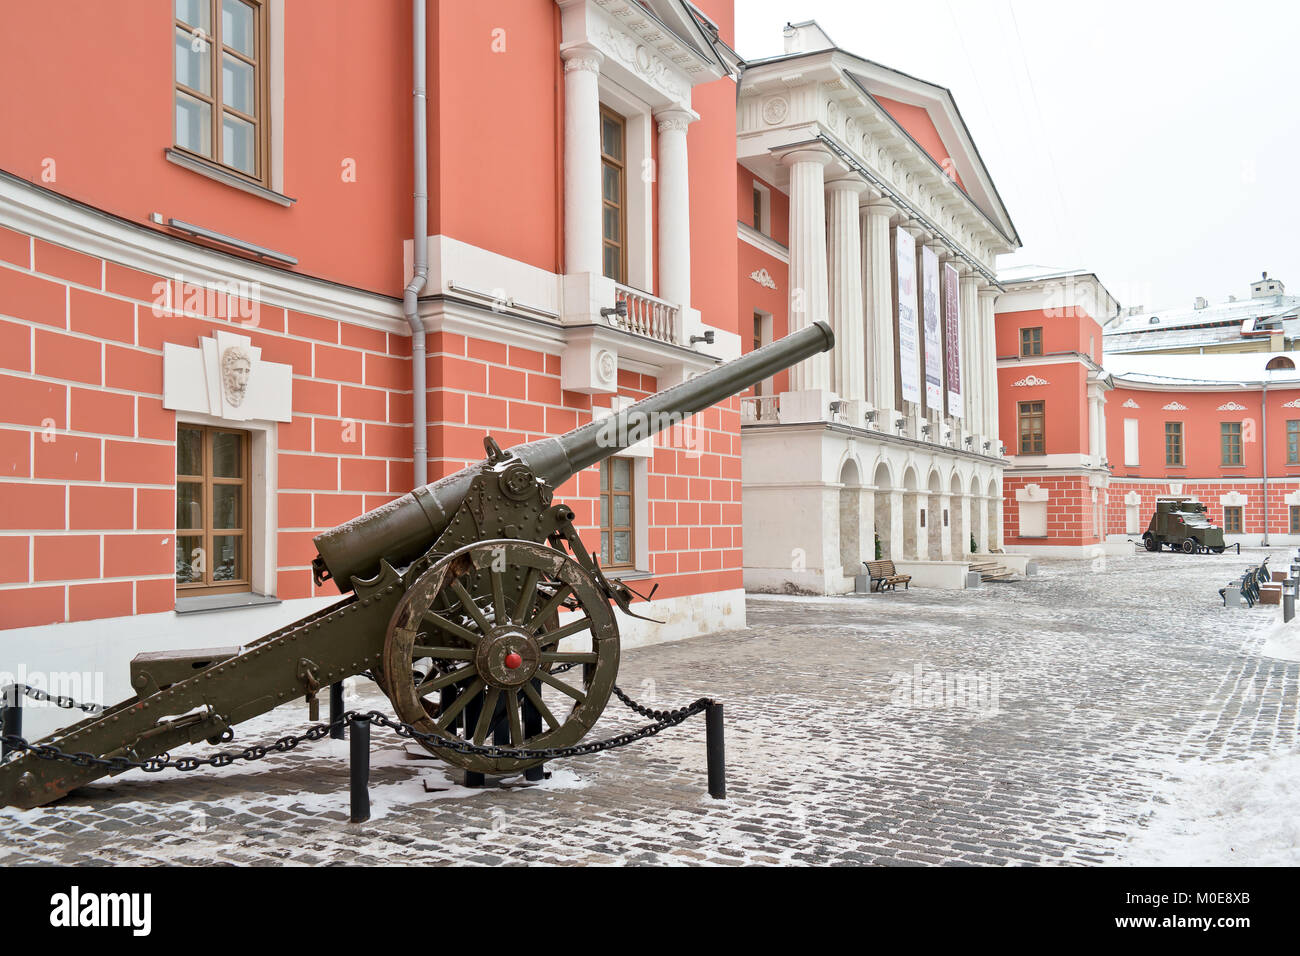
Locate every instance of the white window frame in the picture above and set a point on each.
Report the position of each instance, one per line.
(262, 520)
(764, 225)
(639, 131)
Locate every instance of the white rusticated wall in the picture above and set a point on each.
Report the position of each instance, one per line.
(797, 488)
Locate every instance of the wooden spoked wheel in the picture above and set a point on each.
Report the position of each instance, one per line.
(472, 647)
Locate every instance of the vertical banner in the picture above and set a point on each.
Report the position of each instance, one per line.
(952, 325)
(908, 353)
(933, 337)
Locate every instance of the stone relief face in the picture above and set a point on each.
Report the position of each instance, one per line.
(236, 366)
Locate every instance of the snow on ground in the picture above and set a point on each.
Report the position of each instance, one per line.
(1237, 813)
(1283, 642)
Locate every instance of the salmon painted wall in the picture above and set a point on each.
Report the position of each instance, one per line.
(105, 140)
(1065, 405)
(1201, 418)
(1064, 330)
(496, 127)
(711, 142)
(778, 205)
(921, 128)
(753, 296)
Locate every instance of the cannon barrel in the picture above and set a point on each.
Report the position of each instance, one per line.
(404, 529)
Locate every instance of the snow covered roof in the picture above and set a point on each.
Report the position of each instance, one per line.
(1031, 272)
(1260, 307)
(1191, 371)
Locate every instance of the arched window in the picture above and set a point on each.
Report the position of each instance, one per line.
(1280, 362)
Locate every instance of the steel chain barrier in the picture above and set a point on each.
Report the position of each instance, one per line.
(664, 719)
(67, 703)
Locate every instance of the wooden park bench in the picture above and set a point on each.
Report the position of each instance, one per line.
(885, 577)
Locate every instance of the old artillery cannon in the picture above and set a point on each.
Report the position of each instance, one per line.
(453, 603)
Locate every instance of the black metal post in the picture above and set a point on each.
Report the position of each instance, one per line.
(715, 751)
(360, 766)
(472, 777)
(11, 716)
(532, 719)
(336, 710)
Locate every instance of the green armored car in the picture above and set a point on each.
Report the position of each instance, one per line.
(1182, 524)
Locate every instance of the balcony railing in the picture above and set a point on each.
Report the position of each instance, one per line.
(760, 408)
(646, 315)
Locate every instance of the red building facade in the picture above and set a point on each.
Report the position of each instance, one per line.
(1098, 438)
(205, 355)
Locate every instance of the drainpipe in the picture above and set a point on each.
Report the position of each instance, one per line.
(1263, 415)
(411, 295)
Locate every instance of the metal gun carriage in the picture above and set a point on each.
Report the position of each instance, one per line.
(457, 598)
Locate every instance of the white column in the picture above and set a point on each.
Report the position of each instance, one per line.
(674, 206)
(1101, 418)
(582, 206)
(1094, 427)
(970, 355)
(987, 299)
(844, 247)
(879, 308)
(808, 293)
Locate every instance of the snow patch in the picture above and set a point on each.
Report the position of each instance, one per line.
(1240, 813)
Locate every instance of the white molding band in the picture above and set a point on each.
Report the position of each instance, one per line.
(30, 209)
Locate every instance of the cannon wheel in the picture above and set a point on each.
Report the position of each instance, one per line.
(494, 651)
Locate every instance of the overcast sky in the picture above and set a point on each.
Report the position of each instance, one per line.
(1154, 142)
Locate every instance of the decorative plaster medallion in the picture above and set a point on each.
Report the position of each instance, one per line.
(1295, 403)
(763, 278)
(1231, 407)
(236, 366)
(1174, 407)
(775, 110)
(226, 377)
(833, 114)
(1030, 380)
(1131, 404)
(606, 365)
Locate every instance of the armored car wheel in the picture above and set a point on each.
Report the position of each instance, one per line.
(1189, 546)
(472, 652)
(1151, 543)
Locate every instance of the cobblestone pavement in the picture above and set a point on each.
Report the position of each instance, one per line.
(1018, 723)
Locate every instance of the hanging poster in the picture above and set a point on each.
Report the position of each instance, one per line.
(933, 337)
(908, 346)
(952, 326)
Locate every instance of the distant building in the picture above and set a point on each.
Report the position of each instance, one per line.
(1100, 437)
(1053, 407)
(864, 202)
(1268, 321)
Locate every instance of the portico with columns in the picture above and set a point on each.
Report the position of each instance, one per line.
(619, 61)
(870, 442)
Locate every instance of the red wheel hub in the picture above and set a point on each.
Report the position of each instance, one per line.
(513, 660)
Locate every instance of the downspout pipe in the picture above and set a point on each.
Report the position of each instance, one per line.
(411, 295)
(1263, 416)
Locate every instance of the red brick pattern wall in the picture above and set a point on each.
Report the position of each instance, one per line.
(1209, 492)
(1069, 510)
(87, 452)
(480, 387)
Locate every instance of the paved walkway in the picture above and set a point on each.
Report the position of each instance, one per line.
(1017, 723)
